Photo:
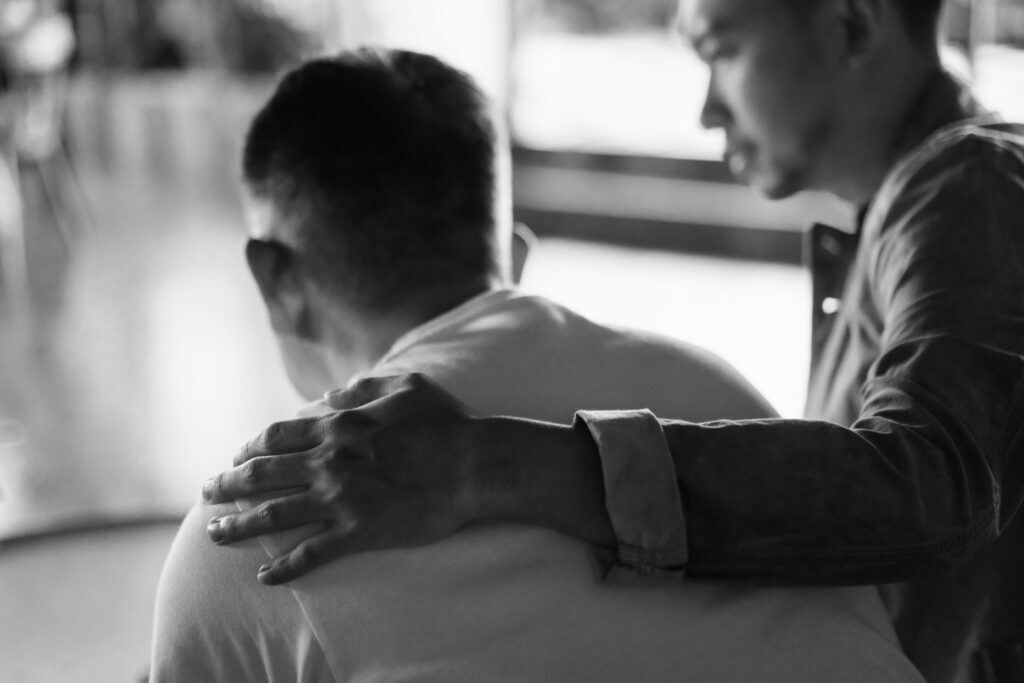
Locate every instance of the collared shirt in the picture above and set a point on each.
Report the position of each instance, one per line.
(911, 464)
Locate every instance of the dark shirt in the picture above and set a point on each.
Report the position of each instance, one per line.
(910, 467)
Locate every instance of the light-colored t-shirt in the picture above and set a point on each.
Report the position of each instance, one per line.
(503, 602)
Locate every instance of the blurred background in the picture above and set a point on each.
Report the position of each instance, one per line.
(134, 354)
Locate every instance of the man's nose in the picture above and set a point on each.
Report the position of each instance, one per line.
(714, 113)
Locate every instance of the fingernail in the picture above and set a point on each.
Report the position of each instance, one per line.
(213, 530)
(263, 575)
(208, 490)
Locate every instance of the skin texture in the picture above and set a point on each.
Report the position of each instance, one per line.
(806, 102)
(367, 479)
(769, 93)
(809, 99)
(323, 339)
(358, 470)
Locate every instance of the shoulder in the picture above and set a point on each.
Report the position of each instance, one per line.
(964, 187)
(969, 143)
(532, 357)
(201, 605)
(213, 620)
(943, 248)
(684, 380)
(606, 366)
(970, 161)
(192, 555)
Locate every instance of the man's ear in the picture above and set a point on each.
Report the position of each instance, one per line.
(862, 23)
(273, 266)
(523, 240)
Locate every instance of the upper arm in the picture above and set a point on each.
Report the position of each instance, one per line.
(931, 470)
(951, 257)
(215, 622)
(200, 630)
(949, 282)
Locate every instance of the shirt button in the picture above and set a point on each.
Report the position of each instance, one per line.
(830, 305)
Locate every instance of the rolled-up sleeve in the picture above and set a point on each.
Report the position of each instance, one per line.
(642, 496)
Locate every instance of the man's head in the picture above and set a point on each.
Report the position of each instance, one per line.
(370, 182)
(810, 93)
(920, 17)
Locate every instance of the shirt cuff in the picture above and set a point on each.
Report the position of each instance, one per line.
(641, 493)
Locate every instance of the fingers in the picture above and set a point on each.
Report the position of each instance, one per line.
(412, 396)
(305, 557)
(369, 390)
(290, 436)
(276, 514)
(261, 474)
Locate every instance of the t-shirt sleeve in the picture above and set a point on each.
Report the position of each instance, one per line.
(215, 622)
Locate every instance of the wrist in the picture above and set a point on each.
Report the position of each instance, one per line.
(536, 473)
(488, 467)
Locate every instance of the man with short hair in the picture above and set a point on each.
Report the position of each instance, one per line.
(910, 467)
(375, 206)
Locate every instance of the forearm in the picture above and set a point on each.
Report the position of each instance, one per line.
(792, 500)
(538, 473)
(912, 489)
(822, 504)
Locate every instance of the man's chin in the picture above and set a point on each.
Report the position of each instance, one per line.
(772, 187)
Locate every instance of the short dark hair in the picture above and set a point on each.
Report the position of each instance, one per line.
(920, 17)
(386, 158)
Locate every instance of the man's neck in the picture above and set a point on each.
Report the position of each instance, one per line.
(889, 115)
(430, 304)
(361, 339)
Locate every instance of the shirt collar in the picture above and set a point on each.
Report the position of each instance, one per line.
(454, 316)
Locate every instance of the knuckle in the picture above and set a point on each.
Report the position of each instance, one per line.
(324, 426)
(268, 514)
(243, 454)
(335, 462)
(352, 526)
(343, 422)
(334, 465)
(217, 487)
(272, 435)
(336, 424)
(362, 391)
(334, 496)
(325, 461)
(367, 383)
(252, 472)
